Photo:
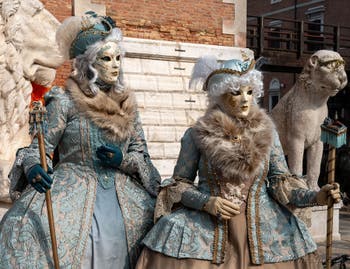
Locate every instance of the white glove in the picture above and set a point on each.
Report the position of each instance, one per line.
(221, 208)
(326, 191)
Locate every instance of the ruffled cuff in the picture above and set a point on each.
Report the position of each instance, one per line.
(290, 189)
(175, 191)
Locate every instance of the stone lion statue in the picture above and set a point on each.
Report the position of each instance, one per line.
(28, 53)
(300, 113)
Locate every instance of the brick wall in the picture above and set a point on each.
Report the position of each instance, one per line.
(337, 12)
(61, 9)
(173, 20)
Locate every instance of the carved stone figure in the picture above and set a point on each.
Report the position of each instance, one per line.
(300, 113)
(28, 53)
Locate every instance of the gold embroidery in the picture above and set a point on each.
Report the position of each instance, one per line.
(215, 184)
(259, 259)
(257, 221)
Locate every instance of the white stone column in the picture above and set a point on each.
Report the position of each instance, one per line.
(237, 26)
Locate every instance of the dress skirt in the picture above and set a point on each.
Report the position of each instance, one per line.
(237, 255)
(107, 246)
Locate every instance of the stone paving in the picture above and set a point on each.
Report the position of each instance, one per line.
(340, 247)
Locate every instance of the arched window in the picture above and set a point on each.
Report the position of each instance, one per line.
(274, 93)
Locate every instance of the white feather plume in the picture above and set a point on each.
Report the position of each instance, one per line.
(67, 32)
(201, 70)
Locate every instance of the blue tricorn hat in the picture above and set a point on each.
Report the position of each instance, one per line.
(94, 29)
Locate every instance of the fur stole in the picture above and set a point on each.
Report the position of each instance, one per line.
(114, 112)
(235, 147)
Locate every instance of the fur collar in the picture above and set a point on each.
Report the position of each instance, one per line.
(114, 112)
(235, 147)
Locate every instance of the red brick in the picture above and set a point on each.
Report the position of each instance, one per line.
(190, 21)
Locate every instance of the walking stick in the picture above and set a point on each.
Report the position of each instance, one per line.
(334, 134)
(37, 123)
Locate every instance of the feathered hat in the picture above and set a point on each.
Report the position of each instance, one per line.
(208, 73)
(77, 33)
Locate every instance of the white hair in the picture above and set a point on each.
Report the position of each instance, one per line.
(232, 83)
(222, 82)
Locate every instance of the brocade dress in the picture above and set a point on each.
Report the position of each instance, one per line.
(101, 214)
(240, 160)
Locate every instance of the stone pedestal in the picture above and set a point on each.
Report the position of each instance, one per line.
(318, 227)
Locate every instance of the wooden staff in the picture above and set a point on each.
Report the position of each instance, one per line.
(330, 209)
(334, 134)
(37, 122)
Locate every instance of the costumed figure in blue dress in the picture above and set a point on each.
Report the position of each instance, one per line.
(239, 214)
(104, 185)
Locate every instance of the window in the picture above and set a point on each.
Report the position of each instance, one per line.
(274, 34)
(315, 29)
(274, 93)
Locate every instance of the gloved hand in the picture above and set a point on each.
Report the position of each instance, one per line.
(39, 179)
(328, 190)
(221, 208)
(110, 155)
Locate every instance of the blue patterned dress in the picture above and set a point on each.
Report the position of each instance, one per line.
(241, 161)
(101, 214)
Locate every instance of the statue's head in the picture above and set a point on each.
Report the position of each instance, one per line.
(30, 31)
(28, 54)
(325, 70)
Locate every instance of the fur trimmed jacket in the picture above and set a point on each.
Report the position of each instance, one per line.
(77, 126)
(233, 151)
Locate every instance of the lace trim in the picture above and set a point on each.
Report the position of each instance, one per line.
(170, 195)
(284, 185)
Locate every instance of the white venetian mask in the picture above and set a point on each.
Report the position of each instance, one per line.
(107, 63)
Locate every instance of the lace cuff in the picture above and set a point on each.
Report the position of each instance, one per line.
(170, 194)
(294, 193)
(290, 189)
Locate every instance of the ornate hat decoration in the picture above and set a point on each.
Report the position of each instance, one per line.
(209, 73)
(233, 67)
(93, 29)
